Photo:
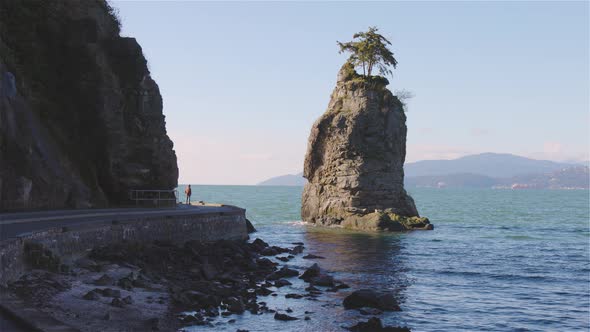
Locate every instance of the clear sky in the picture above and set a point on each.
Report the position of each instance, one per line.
(243, 82)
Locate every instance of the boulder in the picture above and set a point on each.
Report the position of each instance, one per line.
(284, 317)
(355, 157)
(104, 280)
(374, 325)
(311, 272)
(250, 227)
(369, 298)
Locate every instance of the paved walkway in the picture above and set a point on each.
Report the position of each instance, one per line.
(13, 224)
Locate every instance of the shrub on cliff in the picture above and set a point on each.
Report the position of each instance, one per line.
(370, 50)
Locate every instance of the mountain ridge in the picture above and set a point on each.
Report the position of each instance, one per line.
(416, 172)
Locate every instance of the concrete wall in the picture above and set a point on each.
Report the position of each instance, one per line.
(78, 240)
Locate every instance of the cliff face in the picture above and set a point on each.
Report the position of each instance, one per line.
(81, 119)
(354, 161)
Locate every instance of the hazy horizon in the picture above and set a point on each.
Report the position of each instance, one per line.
(242, 83)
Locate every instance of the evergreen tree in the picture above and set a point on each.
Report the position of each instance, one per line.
(369, 50)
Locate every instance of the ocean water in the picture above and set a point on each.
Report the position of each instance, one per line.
(497, 260)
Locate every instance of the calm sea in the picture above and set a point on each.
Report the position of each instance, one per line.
(498, 260)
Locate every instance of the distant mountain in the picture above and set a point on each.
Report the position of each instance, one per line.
(463, 180)
(285, 180)
(478, 171)
(497, 165)
(576, 177)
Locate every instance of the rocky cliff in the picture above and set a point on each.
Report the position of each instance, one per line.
(81, 119)
(354, 161)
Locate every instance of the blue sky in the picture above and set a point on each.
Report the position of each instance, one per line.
(243, 82)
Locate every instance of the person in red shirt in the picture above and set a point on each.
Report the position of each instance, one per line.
(188, 193)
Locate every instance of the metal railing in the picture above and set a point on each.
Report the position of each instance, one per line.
(155, 198)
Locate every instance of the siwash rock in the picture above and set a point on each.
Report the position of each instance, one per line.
(355, 157)
(81, 119)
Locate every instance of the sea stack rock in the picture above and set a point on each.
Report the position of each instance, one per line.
(355, 157)
(81, 119)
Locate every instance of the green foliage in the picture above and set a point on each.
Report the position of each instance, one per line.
(369, 50)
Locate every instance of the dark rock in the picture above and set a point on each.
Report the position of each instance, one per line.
(293, 296)
(235, 305)
(104, 280)
(282, 282)
(311, 288)
(153, 324)
(91, 296)
(109, 292)
(128, 300)
(209, 271)
(259, 245)
(296, 250)
(283, 258)
(312, 271)
(265, 263)
(370, 311)
(322, 280)
(342, 286)
(263, 291)
(250, 227)
(284, 317)
(307, 318)
(298, 243)
(374, 325)
(284, 272)
(117, 302)
(311, 256)
(125, 283)
(369, 298)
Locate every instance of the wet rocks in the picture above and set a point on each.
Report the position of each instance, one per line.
(104, 280)
(374, 324)
(108, 292)
(250, 227)
(298, 249)
(293, 296)
(373, 299)
(91, 296)
(235, 305)
(311, 272)
(282, 282)
(284, 317)
(315, 276)
(284, 272)
(312, 256)
(117, 302)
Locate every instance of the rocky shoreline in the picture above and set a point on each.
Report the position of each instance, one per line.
(164, 287)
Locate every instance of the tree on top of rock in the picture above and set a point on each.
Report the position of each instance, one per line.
(369, 50)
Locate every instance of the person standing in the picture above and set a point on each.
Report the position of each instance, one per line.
(188, 193)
